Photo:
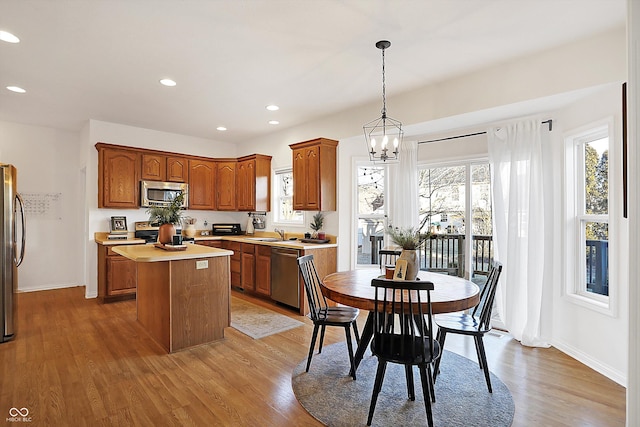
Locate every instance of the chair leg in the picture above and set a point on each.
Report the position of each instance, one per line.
(347, 331)
(313, 344)
(425, 392)
(321, 339)
(485, 367)
(377, 386)
(441, 336)
(432, 388)
(355, 331)
(408, 373)
(478, 355)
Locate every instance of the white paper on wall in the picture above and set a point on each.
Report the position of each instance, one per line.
(43, 205)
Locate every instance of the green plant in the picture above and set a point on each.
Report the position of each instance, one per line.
(318, 222)
(171, 214)
(407, 238)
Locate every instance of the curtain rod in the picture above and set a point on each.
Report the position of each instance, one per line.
(549, 122)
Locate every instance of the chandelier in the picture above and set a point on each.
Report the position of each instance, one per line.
(384, 134)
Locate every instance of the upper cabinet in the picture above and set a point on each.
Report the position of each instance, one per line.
(159, 167)
(226, 185)
(202, 184)
(118, 177)
(242, 184)
(253, 183)
(314, 175)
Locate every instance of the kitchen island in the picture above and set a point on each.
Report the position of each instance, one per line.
(183, 297)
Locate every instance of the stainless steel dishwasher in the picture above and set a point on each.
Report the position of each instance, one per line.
(284, 276)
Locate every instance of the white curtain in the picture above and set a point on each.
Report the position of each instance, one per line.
(519, 197)
(403, 187)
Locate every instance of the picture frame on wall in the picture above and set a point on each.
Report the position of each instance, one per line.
(118, 225)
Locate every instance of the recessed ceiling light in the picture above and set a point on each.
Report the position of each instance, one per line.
(273, 107)
(168, 82)
(8, 37)
(221, 128)
(16, 89)
(274, 122)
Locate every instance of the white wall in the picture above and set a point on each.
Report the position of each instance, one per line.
(46, 160)
(112, 133)
(597, 339)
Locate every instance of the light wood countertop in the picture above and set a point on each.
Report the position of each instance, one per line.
(149, 253)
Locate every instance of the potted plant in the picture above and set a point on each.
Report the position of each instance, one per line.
(167, 217)
(410, 240)
(316, 225)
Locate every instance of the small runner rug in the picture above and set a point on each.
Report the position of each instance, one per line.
(259, 322)
(331, 396)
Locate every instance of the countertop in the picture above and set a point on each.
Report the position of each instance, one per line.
(150, 253)
(101, 239)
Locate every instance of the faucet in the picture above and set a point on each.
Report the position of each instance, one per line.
(280, 232)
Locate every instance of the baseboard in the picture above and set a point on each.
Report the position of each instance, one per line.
(49, 287)
(594, 364)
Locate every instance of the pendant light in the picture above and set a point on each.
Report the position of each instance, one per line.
(384, 134)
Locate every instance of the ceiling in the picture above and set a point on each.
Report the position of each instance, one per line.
(103, 59)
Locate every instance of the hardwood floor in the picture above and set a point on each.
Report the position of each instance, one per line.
(77, 362)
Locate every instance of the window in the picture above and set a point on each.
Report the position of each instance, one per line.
(371, 213)
(588, 210)
(283, 212)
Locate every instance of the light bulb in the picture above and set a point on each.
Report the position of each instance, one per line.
(395, 142)
(385, 140)
(373, 143)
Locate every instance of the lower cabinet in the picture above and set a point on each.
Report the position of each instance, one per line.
(235, 261)
(248, 267)
(263, 270)
(116, 276)
(210, 243)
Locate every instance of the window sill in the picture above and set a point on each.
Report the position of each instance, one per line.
(592, 304)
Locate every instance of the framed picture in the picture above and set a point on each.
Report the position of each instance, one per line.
(401, 270)
(118, 224)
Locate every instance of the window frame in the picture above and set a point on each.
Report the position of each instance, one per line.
(277, 221)
(574, 289)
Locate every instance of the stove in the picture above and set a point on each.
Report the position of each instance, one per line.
(147, 231)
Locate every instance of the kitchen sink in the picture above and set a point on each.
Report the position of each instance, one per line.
(264, 239)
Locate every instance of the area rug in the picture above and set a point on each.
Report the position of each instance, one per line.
(259, 322)
(462, 399)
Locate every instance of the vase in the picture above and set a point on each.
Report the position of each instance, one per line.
(413, 264)
(189, 231)
(165, 233)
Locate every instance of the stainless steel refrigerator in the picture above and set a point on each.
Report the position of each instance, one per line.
(12, 229)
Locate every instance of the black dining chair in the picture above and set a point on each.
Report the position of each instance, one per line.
(475, 324)
(402, 334)
(322, 314)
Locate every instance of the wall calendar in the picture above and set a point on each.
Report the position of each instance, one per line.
(43, 205)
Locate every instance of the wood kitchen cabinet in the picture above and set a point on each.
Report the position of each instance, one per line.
(177, 169)
(118, 177)
(248, 267)
(263, 270)
(235, 261)
(158, 167)
(210, 243)
(116, 276)
(253, 183)
(314, 175)
(202, 184)
(226, 185)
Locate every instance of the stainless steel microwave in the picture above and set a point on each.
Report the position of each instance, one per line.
(157, 193)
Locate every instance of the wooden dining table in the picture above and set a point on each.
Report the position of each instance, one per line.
(353, 288)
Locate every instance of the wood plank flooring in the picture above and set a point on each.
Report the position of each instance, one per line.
(76, 362)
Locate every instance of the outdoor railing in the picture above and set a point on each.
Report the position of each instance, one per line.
(597, 263)
(445, 252)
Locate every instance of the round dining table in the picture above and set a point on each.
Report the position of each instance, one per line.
(353, 288)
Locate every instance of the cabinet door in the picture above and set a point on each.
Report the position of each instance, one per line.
(234, 261)
(121, 276)
(177, 169)
(201, 184)
(119, 180)
(245, 186)
(299, 180)
(226, 186)
(312, 175)
(263, 270)
(154, 167)
(248, 267)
